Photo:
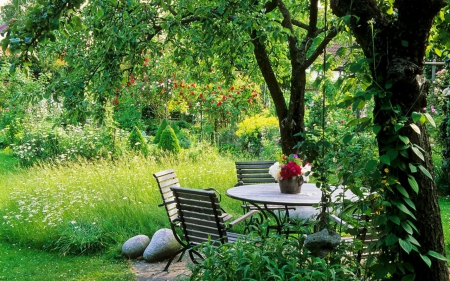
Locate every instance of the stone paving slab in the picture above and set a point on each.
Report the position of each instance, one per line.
(146, 271)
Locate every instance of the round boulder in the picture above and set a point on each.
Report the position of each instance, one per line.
(162, 245)
(135, 246)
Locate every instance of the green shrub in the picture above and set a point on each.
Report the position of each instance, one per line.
(81, 238)
(137, 142)
(273, 258)
(161, 128)
(169, 141)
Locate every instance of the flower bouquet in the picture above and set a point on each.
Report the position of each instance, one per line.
(290, 173)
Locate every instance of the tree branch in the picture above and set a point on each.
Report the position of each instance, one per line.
(319, 50)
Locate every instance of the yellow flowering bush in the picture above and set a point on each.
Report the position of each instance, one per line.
(255, 124)
(256, 130)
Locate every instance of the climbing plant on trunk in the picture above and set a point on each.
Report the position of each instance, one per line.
(393, 36)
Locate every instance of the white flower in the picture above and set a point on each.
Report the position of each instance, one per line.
(306, 172)
(275, 170)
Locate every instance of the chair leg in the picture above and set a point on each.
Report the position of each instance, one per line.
(182, 251)
(191, 252)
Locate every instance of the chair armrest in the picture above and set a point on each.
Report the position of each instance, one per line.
(226, 216)
(165, 203)
(243, 218)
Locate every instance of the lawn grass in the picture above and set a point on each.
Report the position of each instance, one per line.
(444, 203)
(52, 207)
(24, 264)
(52, 214)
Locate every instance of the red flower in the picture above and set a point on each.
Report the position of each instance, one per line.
(290, 170)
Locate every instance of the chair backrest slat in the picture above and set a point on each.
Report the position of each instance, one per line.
(165, 180)
(254, 172)
(200, 215)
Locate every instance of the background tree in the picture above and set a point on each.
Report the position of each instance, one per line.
(393, 36)
(285, 38)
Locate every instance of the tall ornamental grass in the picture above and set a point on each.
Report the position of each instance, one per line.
(85, 207)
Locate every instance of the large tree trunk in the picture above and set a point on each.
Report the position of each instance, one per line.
(398, 49)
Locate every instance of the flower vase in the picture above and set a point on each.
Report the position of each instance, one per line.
(292, 185)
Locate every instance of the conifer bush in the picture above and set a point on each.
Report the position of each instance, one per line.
(161, 128)
(169, 141)
(137, 141)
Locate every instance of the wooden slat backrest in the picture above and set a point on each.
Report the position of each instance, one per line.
(165, 180)
(200, 215)
(254, 172)
(365, 232)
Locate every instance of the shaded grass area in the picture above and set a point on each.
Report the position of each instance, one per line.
(8, 163)
(18, 263)
(444, 204)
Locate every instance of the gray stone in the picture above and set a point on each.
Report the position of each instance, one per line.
(135, 246)
(162, 245)
(322, 242)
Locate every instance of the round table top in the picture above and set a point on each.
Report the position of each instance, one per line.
(269, 193)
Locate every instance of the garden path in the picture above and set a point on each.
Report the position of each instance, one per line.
(146, 271)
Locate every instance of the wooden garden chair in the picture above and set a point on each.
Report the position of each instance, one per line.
(256, 172)
(165, 180)
(361, 229)
(202, 220)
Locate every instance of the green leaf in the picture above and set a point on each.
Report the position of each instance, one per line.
(437, 255)
(385, 159)
(426, 260)
(348, 138)
(406, 245)
(412, 239)
(416, 116)
(412, 168)
(413, 183)
(405, 43)
(398, 126)
(370, 165)
(376, 129)
(12, 68)
(395, 220)
(418, 153)
(407, 227)
(409, 277)
(391, 239)
(438, 52)
(404, 209)
(415, 128)
(430, 119)
(392, 153)
(388, 85)
(410, 203)
(404, 139)
(425, 171)
(355, 67)
(402, 190)
(100, 13)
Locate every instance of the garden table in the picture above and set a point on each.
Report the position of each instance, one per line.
(263, 195)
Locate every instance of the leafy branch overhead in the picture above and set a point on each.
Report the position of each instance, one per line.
(107, 41)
